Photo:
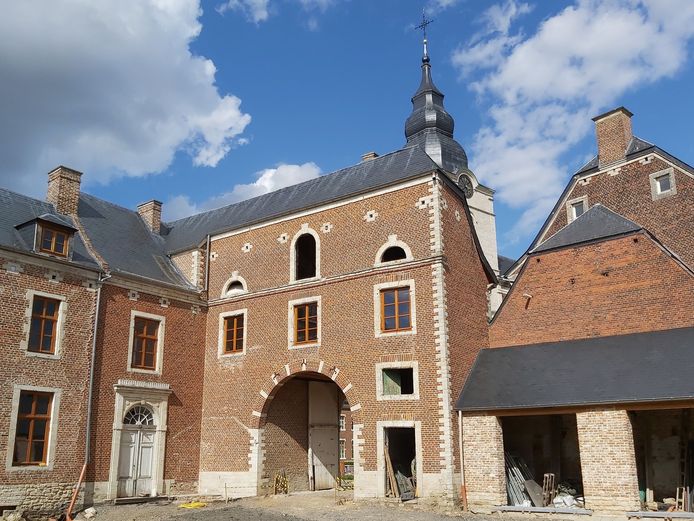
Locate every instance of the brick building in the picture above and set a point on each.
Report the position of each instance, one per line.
(587, 376)
(212, 353)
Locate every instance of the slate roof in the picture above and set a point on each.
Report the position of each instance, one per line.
(642, 367)
(122, 238)
(397, 166)
(598, 222)
(17, 211)
(504, 263)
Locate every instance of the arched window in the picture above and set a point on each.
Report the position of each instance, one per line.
(235, 285)
(394, 253)
(139, 415)
(305, 257)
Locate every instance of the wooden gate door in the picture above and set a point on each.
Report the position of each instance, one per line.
(323, 435)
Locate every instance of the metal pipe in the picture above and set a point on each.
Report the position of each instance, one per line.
(207, 264)
(90, 392)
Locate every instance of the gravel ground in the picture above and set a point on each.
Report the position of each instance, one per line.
(320, 506)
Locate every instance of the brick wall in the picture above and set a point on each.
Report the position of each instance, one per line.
(628, 193)
(485, 475)
(182, 369)
(614, 287)
(608, 461)
(45, 490)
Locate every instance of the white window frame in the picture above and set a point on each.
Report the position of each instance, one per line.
(655, 189)
(305, 229)
(290, 320)
(570, 217)
(235, 277)
(220, 343)
(343, 422)
(52, 428)
(342, 447)
(410, 364)
(377, 308)
(392, 241)
(60, 326)
(160, 342)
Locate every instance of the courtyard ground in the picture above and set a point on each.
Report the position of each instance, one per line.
(314, 506)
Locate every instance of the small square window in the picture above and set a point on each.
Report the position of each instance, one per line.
(663, 183)
(306, 323)
(398, 381)
(53, 241)
(577, 209)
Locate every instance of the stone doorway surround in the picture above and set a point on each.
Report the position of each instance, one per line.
(154, 395)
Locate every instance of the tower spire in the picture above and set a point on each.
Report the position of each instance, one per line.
(423, 27)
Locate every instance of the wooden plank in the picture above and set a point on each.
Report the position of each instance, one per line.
(534, 491)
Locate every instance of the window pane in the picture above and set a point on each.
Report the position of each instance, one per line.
(663, 183)
(301, 336)
(313, 322)
(46, 344)
(403, 294)
(149, 359)
(313, 334)
(300, 311)
(389, 310)
(42, 402)
(152, 326)
(51, 307)
(239, 321)
(139, 326)
(313, 309)
(39, 429)
(389, 297)
(59, 242)
(404, 321)
(35, 333)
(20, 450)
(389, 323)
(404, 308)
(47, 242)
(25, 402)
(37, 451)
(37, 308)
(22, 429)
(578, 208)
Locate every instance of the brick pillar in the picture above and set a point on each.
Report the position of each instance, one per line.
(151, 215)
(608, 460)
(613, 131)
(485, 473)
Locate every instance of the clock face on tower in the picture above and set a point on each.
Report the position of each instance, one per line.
(465, 185)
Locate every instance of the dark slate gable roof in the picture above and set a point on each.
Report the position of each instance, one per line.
(504, 263)
(599, 222)
(636, 145)
(640, 367)
(17, 210)
(125, 243)
(369, 175)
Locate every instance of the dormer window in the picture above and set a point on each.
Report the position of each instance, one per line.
(53, 241)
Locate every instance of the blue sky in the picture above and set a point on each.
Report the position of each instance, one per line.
(202, 105)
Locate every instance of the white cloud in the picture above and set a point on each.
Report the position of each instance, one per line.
(435, 6)
(256, 10)
(542, 89)
(118, 93)
(267, 180)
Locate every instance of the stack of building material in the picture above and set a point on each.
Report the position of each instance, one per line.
(517, 473)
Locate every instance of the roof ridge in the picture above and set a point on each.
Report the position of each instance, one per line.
(334, 172)
(120, 207)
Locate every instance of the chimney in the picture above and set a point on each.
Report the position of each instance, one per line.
(369, 156)
(64, 189)
(151, 214)
(613, 130)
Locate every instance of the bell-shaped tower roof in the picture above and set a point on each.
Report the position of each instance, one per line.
(431, 127)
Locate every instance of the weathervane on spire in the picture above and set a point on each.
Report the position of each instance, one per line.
(423, 26)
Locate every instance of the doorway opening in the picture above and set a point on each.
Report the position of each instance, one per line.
(302, 435)
(401, 462)
(664, 447)
(543, 461)
(136, 458)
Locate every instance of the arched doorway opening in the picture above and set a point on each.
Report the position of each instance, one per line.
(307, 433)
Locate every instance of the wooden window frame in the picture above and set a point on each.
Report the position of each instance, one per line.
(51, 250)
(143, 337)
(32, 417)
(306, 329)
(43, 318)
(396, 304)
(235, 336)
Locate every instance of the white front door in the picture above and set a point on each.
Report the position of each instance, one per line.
(135, 462)
(323, 435)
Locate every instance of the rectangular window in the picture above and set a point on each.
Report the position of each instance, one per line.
(398, 381)
(395, 309)
(44, 325)
(306, 323)
(33, 426)
(342, 449)
(343, 422)
(53, 241)
(145, 340)
(233, 334)
(663, 183)
(577, 209)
